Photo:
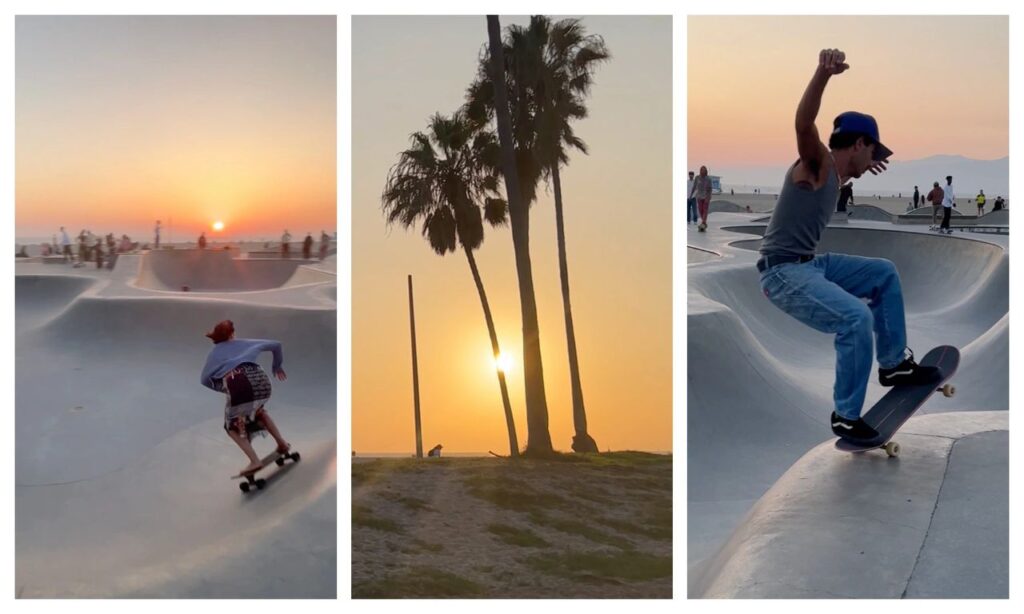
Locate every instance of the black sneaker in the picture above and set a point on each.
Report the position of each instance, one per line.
(852, 429)
(908, 373)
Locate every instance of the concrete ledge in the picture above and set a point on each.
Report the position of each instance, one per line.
(840, 525)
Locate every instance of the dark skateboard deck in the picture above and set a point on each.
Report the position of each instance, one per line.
(274, 457)
(900, 403)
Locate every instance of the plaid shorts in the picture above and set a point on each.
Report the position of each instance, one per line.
(248, 390)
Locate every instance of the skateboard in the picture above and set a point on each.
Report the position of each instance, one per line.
(250, 478)
(900, 403)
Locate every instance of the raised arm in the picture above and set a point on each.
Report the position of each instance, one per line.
(808, 144)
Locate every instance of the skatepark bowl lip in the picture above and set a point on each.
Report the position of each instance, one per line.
(99, 359)
(762, 430)
(216, 271)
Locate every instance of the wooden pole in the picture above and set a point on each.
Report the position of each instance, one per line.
(415, 376)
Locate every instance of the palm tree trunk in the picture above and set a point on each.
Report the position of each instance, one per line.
(538, 437)
(582, 441)
(513, 441)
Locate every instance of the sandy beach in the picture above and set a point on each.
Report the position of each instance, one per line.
(578, 526)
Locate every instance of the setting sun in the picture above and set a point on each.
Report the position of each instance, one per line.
(218, 226)
(503, 362)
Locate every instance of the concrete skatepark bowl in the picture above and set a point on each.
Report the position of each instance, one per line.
(773, 509)
(122, 465)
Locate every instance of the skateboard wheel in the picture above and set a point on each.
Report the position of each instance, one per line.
(892, 449)
(948, 390)
(279, 461)
(296, 457)
(261, 483)
(244, 486)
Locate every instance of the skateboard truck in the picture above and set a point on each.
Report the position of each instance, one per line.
(250, 476)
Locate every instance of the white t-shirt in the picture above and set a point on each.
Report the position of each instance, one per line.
(947, 195)
(689, 188)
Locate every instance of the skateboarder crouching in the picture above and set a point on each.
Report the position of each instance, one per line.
(231, 368)
(826, 291)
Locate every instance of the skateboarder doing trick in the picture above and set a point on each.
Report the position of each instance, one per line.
(231, 368)
(826, 291)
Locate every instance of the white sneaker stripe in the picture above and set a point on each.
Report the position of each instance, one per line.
(895, 373)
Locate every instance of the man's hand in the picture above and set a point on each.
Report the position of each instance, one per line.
(280, 374)
(878, 167)
(832, 62)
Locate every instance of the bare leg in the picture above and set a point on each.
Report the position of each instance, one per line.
(266, 422)
(243, 442)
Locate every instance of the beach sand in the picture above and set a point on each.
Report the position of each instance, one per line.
(593, 526)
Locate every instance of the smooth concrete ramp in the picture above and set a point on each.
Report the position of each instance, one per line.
(724, 206)
(202, 270)
(121, 461)
(840, 525)
(869, 212)
(760, 383)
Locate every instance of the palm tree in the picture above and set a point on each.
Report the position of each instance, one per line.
(442, 180)
(539, 440)
(549, 72)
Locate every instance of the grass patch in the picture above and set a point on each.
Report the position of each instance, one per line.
(364, 473)
(654, 527)
(427, 546)
(419, 582)
(413, 503)
(510, 494)
(626, 459)
(628, 565)
(363, 516)
(515, 536)
(575, 527)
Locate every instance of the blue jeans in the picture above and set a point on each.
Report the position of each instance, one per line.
(826, 294)
(691, 211)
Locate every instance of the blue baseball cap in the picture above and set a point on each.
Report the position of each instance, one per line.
(861, 123)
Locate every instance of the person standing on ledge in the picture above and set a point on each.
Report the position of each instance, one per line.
(691, 202)
(286, 238)
(948, 202)
(702, 192)
(231, 368)
(307, 246)
(828, 292)
(845, 194)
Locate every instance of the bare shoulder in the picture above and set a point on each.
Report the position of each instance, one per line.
(812, 173)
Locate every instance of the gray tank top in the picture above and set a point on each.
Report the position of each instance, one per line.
(800, 216)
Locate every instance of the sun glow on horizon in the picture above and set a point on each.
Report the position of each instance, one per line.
(218, 225)
(503, 362)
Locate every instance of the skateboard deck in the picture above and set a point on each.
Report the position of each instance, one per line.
(250, 478)
(900, 403)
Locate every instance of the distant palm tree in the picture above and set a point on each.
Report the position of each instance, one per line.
(539, 441)
(549, 72)
(446, 181)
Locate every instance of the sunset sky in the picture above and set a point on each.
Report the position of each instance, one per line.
(618, 208)
(936, 85)
(124, 120)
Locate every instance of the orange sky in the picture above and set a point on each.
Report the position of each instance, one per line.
(124, 120)
(618, 208)
(936, 85)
